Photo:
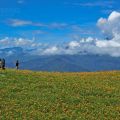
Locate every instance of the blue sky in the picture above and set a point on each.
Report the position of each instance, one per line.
(53, 21)
(49, 27)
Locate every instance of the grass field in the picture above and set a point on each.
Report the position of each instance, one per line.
(26, 95)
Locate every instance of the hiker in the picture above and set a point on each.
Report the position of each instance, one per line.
(17, 64)
(0, 63)
(3, 64)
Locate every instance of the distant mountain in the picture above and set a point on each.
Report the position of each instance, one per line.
(53, 63)
(64, 63)
(73, 63)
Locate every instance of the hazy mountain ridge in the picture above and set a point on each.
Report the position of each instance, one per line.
(73, 63)
(64, 63)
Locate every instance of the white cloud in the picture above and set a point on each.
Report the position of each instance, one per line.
(18, 42)
(105, 43)
(51, 50)
(114, 16)
(74, 44)
(18, 23)
(109, 26)
(5, 41)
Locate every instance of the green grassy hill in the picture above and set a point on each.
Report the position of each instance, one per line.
(27, 95)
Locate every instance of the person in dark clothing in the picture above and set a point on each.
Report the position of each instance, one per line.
(0, 63)
(3, 64)
(17, 64)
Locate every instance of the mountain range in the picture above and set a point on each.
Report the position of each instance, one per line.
(60, 63)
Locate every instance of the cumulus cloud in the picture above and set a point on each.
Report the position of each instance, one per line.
(110, 27)
(73, 44)
(52, 50)
(18, 42)
(111, 46)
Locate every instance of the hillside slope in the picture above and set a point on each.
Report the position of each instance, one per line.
(55, 96)
(66, 63)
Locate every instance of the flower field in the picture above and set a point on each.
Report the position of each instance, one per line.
(27, 95)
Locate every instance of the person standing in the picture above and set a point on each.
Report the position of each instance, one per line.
(17, 64)
(3, 64)
(0, 63)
